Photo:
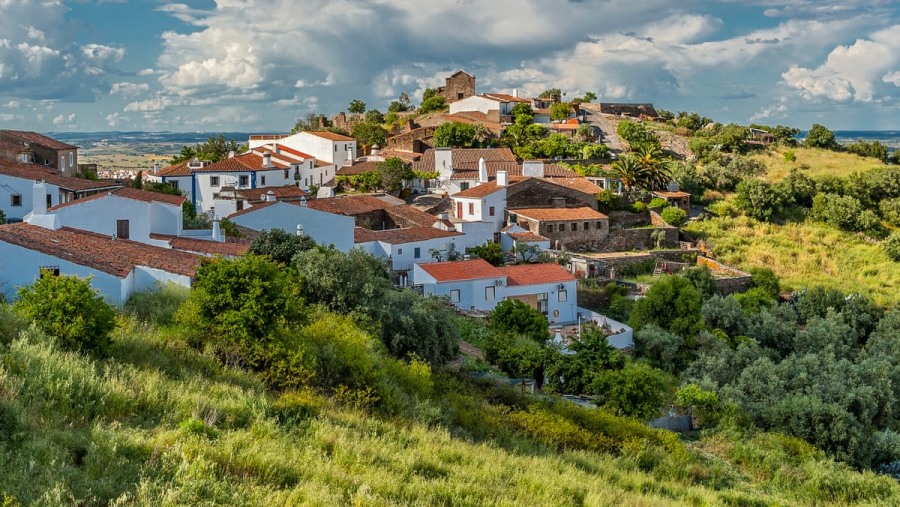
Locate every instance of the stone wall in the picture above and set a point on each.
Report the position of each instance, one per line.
(579, 240)
(626, 240)
(458, 86)
(537, 193)
(729, 280)
(657, 220)
(413, 141)
(627, 219)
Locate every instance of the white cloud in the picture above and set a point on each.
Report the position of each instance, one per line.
(129, 89)
(13, 104)
(853, 72)
(146, 72)
(113, 119)
(64, 119)
(10, 117)
(892, 78)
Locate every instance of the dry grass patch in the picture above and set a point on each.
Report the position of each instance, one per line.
(814, 162)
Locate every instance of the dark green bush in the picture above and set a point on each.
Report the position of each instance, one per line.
(674, 216)
(67, 308)
(514, 316)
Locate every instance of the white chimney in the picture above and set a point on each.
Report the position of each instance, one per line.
(516, 92)
(300, 231)
(270, 196)
(217, 232)
(39, 198)
(502, 179)
(231, 154)
(276, 149)
(443, 162)
(156, 168)
(482, 171)
(267, 159)
(303, 201)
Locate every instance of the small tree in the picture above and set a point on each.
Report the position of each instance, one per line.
(357, 106)
(392, 172)
(674, 216)
(138, 181)
(638, 390)
(515, 316)
(67, 308)
(560, 111)
(820, 137)
(490, 252)
(280, 246)
(551, 93)
(434, 103)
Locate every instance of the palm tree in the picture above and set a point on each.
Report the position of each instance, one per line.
(657, 168)
(629, 170)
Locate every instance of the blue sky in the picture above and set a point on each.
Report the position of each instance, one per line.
(231, 65)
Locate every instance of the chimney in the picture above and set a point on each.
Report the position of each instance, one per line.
(482, 171)
(502, 179)
(533, 169)
(217, 232)
(276, 149)
(673, 186)
(231, 154)
(156, 168)
(516, 92)
(39, 198)
(300, 231)
(303, 201)
(443, 161)
(270, 196)
(267, 159)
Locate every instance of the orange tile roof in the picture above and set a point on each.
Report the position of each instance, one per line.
(282, 148)
(530, 274)
(128, 193)
(503, 97)
(232, 247)
(244, 162)
(466, 157)
(474, 269)
(179, 169)
(98, 251)
(331, 136)
(401, 236)
(358, 168)
(513, 170)
(348, 205)
(39, 172)
(526, 236)
(480, 191)
(578, 184)
(560, 214)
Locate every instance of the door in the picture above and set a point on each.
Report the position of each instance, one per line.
(122, 229)
(458, 210)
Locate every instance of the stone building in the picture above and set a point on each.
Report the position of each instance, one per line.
(533, 192)
(44, 150)
(581, 228)
(458, 86)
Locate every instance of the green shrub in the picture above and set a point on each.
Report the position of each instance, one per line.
(67, 308)
(158, 305)
(608, 200)
(658, 202)
(891, 246)
(674, 216)
(515, 316)
(296, 406)
(280, 246)
(11, 323)
(637, 391)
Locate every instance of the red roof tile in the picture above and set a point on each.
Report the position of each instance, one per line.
(98, 251)
(560, 214)
(529, 274)
(358, 168)
(503, 97)
(461, 270)
(401, 236)
(39, 139)
(480, 191)
(526, 236)
(251, 161)
(230, 248)
(179, 169)
(39, 172)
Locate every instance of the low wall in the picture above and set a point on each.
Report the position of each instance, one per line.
(728, 280)
(677, 423)
(627, 219)
(626, 240)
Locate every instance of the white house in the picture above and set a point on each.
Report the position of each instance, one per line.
(483, 203)
(475, 285)
(125, 213)
(487, 102)
(514, 236)
(118, 267)
(403, 248)
(326, 146)
(178, 176)
(17, 181)
(323, 227)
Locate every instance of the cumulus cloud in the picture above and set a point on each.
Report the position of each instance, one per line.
(43, 59)
(64, 119)
(114, 119)
(129, 89)
(859, 71)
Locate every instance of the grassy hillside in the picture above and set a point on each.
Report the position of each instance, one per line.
(158, 423)
(813, 162)
(805, 254)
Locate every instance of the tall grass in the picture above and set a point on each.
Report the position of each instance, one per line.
(814, 162)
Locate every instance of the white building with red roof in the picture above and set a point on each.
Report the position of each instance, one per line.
(297, 218)
(325, 146)
(483, 203)
(17, 181)
(475, 285)
(117, 267)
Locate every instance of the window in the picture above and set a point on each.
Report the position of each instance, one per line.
(214, 181)
(122, 229)
(471, 208)
(262, 180)
(464, 185)
(62, 163)
(417, 252)
(587, 225)
(335, 148)
(173, 183)
(549, 227)
(598, 225)
(489, 293)
(491, 211)
(49, 200)
(15, 200)
(399, 251)
(244, 180)
(71, 160)
(49, 271)
(286, 172)
(460, 95)
(563, 296)
(454, 296)
(542, 303)
(574, 226)
(240, 205)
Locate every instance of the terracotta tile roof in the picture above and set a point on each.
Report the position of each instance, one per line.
(331, 136)
(282, 193)
(401, 236)
(408, 215)
(128, 193)
(14, 147)
(50, 175)
(455, 271)
(513, 170)
(480, 191)
(670, 195)
(526, 236)
(251, 161)
(529, 274)
(348, 205)
(39, 139)
(251, 209)
(282, 149)
(406, 156)
(466, 157)
(232, 247)
(578, 184)
(179, 169)
(560, 214)
(358, 168)
(503, 97)
(117, 257)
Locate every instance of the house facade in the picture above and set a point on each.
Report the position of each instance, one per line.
(570, 228)
(118, 268)
(45, 150)
(331, 148)
(533, 192)
(475, 285)
(17, 198)
(483, 203)
(323, 227)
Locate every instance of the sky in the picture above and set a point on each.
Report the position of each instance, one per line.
(258, 65)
